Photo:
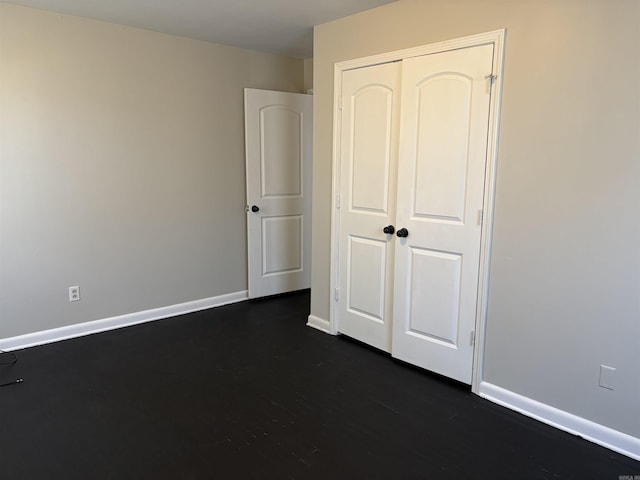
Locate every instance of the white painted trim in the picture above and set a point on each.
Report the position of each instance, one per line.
(594, 432)
(335, 191)
(96, 326)
(447, 45)
(497, 38)
(488, 210)
(320, 324)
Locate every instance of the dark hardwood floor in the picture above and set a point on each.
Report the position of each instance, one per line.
(248, 391)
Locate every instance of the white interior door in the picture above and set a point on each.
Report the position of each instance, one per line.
(444, 126)
(278, 136)
(370, 101)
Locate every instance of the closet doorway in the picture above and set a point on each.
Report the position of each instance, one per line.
(414, 171)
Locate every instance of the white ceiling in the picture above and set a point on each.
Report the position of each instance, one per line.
(278, 26)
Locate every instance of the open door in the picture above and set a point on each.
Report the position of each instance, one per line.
(278, 136)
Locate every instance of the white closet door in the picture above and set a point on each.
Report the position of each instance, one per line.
(278, 131)
(444, 125)
(370, 101)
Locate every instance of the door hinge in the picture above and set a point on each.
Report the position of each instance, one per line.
(337, 294)
(338, 202)
(340, 102)
(472, 338)
(480, 217)
(492, 78)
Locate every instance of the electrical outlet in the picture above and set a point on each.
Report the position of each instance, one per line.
(74, 294)
(607, 377)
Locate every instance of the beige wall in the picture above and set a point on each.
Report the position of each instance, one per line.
(121, 167)
(308, 74)
(565, 272)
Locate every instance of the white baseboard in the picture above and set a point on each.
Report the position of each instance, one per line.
(319, 324)
(594, 432)
(96, 326)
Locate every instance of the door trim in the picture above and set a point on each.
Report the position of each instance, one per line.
(497, 38)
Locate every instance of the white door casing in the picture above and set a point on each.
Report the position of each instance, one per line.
(278, 148)
(426, 255)
(445, 115)
(368, 195)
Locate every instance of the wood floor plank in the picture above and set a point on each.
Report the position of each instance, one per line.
(248, 391)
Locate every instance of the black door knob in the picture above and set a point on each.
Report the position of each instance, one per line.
(255, 208)
(403, 233)
(389, 229)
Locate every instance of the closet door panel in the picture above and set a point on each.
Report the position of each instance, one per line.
(442, 140)
(368, 164)
(441, 170)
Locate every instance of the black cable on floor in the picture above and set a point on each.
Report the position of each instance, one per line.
(11, 359)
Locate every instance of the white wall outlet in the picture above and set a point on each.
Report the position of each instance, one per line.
(74, 294)
(607, 377)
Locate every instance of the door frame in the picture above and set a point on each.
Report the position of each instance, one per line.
(497, 38)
